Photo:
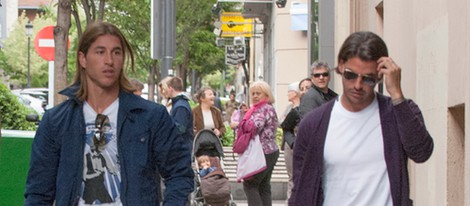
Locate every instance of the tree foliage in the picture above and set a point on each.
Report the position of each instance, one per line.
(13, 113)
(14, 55)
(196, 48)
(133, 18)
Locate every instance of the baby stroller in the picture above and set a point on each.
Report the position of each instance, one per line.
(214, 188)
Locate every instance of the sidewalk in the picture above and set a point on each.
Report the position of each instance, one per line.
(275, 203)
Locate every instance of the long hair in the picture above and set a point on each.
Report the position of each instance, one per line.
(263, 87)
(365, 45)
(163, 87)
(93, 31)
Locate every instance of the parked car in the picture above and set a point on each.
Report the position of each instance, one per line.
(38, 93)
(32, 102)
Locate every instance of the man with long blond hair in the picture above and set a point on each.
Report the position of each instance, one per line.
(104, 145)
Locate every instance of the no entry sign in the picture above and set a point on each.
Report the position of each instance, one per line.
(44, 43)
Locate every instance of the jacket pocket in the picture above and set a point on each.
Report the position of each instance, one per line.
(139, 149)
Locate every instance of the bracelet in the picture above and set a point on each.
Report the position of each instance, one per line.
(398, 101)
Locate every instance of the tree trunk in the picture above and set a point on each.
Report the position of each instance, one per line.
(184, 68)
(76, 17)
(86, 9)
(93, 10)
(196, 85)
(61, 32)
(180, 72)
(101, 10)
(184, 76)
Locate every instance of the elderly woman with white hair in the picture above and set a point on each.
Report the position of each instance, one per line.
(288, 125)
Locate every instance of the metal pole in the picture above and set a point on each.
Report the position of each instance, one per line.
(169, 37)
(29, 56)
(166, 64)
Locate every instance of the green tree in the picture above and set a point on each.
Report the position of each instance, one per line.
(196, 48)
(133, 18)
(13, 112)
(14, 55)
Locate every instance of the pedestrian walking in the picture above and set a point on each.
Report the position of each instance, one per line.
(355, 150)
(104, 145)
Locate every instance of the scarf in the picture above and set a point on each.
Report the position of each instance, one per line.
(254, 108)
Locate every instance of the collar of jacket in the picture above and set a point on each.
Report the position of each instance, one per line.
(178, 97)
(128, 103)
(326, 96)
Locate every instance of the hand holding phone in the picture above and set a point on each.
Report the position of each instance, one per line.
(390, 72)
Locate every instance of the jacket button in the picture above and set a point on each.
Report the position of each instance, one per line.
(142, 139)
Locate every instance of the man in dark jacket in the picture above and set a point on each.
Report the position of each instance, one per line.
(319, 93)
(104, 145)
(181, 110)
(354, 150)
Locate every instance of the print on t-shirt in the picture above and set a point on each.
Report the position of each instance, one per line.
(101, 178)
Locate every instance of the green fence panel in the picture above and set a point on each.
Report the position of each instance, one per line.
(14, 164)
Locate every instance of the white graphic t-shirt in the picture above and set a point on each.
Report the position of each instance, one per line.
(101, 172)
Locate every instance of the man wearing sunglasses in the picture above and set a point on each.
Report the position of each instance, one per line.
(105, 145)
(319, 92)
(354, 150)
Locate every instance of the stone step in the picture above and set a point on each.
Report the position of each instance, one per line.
(279, 177)
(230, 166)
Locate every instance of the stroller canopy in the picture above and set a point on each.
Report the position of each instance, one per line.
(207, 143)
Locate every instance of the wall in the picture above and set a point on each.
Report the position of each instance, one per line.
(290, 55)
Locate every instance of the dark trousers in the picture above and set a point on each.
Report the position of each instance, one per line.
(258, 188)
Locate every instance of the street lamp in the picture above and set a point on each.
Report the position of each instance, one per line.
(29, 32)
(281, 3)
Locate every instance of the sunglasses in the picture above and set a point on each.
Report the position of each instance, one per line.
(368, 80)
(324, 74)
(99, 139)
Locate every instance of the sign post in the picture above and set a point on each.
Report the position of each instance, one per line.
(44, 46)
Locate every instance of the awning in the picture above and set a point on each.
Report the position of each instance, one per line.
(299, 16)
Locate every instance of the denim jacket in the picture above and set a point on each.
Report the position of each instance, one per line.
(147, 144)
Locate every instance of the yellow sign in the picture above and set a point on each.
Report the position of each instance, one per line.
(233, 24)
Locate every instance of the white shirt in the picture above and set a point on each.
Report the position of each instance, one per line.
(208, 119)
(355, 172)
(101, 169)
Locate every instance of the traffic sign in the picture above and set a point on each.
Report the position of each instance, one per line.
(234, 54)
(44, 43)
(233, 24)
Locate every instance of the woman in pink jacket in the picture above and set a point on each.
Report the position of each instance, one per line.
(263, 115)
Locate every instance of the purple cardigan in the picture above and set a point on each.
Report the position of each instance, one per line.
(404, 136)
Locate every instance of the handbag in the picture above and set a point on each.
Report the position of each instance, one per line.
(245, 132)
(289, 137)
(251, 161)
